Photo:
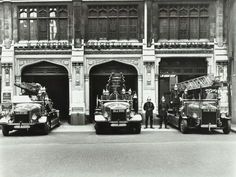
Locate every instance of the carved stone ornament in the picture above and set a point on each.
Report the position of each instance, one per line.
(7, 43)
(149, 66)
(61, 62)
(134, 61)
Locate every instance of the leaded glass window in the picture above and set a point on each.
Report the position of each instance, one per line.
(43, 23)
(112, 22)
(184, 21)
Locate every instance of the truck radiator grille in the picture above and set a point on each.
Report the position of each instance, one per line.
(21, 118)
(118, 116)
(208, 117)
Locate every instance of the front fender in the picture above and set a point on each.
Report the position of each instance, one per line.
(5, 120)
(226, 118)
(100, 118)
(42, 119)
(184, 117)
(136, 118)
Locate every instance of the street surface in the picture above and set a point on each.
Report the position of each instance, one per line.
(157, 153)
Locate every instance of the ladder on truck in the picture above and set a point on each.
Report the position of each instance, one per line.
(196, 83)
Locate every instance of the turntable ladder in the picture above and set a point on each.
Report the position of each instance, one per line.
(196, 83)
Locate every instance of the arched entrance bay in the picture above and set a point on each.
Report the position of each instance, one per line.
(55, 79)
(99, 75)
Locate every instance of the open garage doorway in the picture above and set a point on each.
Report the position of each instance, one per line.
(55, 79)
(175, 70)
(99, 76)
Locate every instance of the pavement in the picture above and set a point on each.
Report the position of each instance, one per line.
(233, 128)
(66, 127)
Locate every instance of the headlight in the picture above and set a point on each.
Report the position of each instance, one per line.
(105, 114)
(34, 117)
(223, 115)
(132, 114)
(195, 115)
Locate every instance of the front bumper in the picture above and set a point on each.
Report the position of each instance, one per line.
(20, 126)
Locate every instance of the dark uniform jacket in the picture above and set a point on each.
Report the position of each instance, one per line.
(148, 107)
(163, 108)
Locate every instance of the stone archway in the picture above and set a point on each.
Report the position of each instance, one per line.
(55, 78)
(99, 75)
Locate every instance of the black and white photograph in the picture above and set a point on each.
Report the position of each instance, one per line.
(117, 88)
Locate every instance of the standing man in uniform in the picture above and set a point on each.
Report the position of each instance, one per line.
(163, 108)
(135, 102)
(175, 101)
(148, 107)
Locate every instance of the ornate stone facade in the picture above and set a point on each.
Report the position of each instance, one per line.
(134, 33)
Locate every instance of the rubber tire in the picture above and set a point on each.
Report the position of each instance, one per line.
(227, 126)
(183, 126)
(98, 129)
(135, 129)
(5, 130)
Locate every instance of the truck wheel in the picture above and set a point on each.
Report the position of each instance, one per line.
(5, 130)
(227, 127)
(98, 129)
(134, 128)
(183, 126)
(46, 128)
(137, 130)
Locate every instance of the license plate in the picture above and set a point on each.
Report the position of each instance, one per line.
(21, 113)
(23, 126)
(119, 110)
(209, 110)
(118, 125)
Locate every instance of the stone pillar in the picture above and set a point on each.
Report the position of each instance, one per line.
(219, 22)
(7, 62)
(157, 82)
(1, 23)
(77, 98)
(145, 22)
(140, 92)
(70, 96)
(18, 81)
(77, 17)
(233, 93)
(149, 22)
(7, 16)
(149, 82)
(86, 88)
(7, 85)
(210, 66)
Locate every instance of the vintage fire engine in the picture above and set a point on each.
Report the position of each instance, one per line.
(115, 107)
(201, 108)
(31, 110)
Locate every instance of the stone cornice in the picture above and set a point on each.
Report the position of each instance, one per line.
(184, 51)
(122, 51)
(34, 1)
(38, 52)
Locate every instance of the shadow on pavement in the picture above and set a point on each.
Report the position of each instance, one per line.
(28, 132)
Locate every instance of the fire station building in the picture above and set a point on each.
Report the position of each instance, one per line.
(72, 46)
(231, 6)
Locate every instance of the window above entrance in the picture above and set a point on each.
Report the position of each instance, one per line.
(43, 23)
(184, 21)
(112, 22)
